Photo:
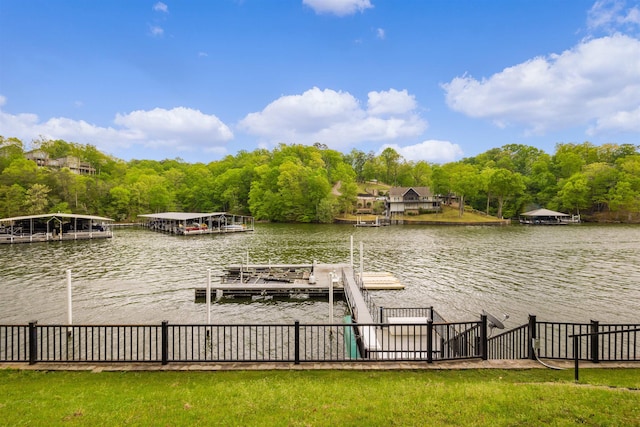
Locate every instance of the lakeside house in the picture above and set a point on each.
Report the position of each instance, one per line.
(74, 164)
(412, 201)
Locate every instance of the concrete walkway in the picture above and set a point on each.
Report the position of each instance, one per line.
(269, 366)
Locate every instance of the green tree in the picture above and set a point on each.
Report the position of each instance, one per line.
(574, 194)
(36, 199)
(464, 180)
(11, 200)
(120, 203)
(503, 184)
(357, 160)
(390, 159)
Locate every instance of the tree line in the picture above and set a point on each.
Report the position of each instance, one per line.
(300, 183)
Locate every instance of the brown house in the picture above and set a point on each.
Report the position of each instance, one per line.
(73, 163)
(411, 200)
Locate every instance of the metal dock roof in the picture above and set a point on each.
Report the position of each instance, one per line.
(58, 215)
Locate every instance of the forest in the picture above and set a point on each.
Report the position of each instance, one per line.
(300, 183)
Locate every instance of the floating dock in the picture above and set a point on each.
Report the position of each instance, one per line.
(380, 280)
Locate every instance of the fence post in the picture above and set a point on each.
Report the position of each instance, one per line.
(484, 337)
(33, 342)
(381, 315)
(165, 342)
(430, 340)
(576, 357)
(296, 341)
(532, 336)
(595, 341)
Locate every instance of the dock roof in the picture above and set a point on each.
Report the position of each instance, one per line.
(182, 216)
(544, 212)
(56, 215)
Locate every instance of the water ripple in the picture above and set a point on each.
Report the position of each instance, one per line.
(558, 273)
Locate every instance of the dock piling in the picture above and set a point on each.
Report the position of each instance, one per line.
(69, 303)
(208, 296)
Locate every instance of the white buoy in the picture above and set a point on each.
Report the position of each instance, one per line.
(208, 296)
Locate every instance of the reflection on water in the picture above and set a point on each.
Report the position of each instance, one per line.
(570, 273)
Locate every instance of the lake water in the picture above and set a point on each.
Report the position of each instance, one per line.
(565, 273)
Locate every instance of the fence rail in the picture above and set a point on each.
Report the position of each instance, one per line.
(554, 340)
(401, 336)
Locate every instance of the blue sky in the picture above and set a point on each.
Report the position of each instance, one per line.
(437, 80)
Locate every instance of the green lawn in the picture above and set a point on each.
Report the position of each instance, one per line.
(321, 398)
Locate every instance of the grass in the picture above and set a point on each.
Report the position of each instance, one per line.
(321, 398)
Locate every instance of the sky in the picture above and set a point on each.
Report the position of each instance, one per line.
(437, 80)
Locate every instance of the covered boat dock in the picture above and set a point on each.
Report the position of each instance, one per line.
(189, 223)
(54, 226)
(548, 217)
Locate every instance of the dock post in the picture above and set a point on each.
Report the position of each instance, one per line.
(361, 264)
(332, 276)
(351, 251)
(208, 296)
(69, 303)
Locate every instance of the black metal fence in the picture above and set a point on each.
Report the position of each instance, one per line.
(401, 336)
(554, 340)
(293, 343)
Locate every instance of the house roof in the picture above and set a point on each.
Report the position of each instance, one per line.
(544, 212)
(401, 191)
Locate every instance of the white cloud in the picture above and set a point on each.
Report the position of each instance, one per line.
(380, 33)
(336, 118)
(176, 123)
(156, 31)
(622, 121)
(432, 151)
(390, 102)
(613, 16)
(338, 7)
(596, 80)
(161, 7)
(180, 129)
